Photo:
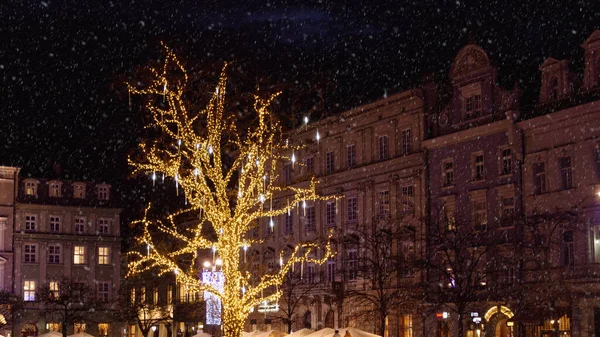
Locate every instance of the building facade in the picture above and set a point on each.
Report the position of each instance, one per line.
(65, 230)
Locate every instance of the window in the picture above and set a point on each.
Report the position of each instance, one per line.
(408, 254)
(310, 164)
(103, 192)
(79, 191)
(448, 172)
(449, 213)
(383, 147)
(311, 273)
(407, 325)
(54, 223)
(103, 329)
(508, 211)
(384, 203)
(473, 106)
(566, 249)
(103, 288)
(289, 223)
(155, 296)
(53, 288)
(79, 255)
(479, 215)
(30, 253)
(352, 264)
(352, 215)
(597, 161)
(329, 162)
(104, 255)
(351, 159)
(29, 291)
(406, 141)
(54, 254)
(55, 189)
(30, 188)
(509, 274)
(566, 174)
(310, 218)
(170, 294)
(408, 198)
(79, 225)
(478, 167)
(330, 270)
(30, 222)
(287, 173)
(330, 214)
(506, 161)
(103, 226)
(539, 178)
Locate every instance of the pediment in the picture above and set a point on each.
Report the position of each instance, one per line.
(548, 62)
(469, 59)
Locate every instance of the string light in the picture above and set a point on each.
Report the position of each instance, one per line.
(153, 178)
(318, 136)
(206, 183)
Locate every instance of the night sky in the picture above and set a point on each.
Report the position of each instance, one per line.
(63, 64)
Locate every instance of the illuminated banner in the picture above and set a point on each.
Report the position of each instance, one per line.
(213, 303)
(268, 307)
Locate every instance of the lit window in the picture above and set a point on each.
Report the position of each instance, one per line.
(448, 172)
(330, 214)
(103, 193)
(55, 189)
(351, 155)
(29, 291)
(103, 290)
(53, 288)
(407, 325)
(408, 198)
(54, 254)
(170, 294)
(54, 223)
(352, 209)
(103, 329)
(79, 225)
(310, 218)
(539, 178)
(506, 161)
(79, 191)
(329, 162)
(406, 141)
(30, 222)
(384, 203)
(566, 173)
(383, 147)
(54, 327)
(155, 296)
(30, 254)
(30, 188)
(79, 327)
(478, 167)
(103, 255)
(103, 226)
(132, 329)
(79, 255)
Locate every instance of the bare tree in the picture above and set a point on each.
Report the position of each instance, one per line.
(140, 310)
(10, 306)
(294, 291)
(383, 268)
(67, 301)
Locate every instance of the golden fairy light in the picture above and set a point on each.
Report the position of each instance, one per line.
(229, 198)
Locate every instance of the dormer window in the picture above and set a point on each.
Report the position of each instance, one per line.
(79, 190)
(103, 192)
(471, 100)
(31, 188)
(55, 189)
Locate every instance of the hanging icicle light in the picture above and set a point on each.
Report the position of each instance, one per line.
(261, 198)
(197, 146)
(210, 149)
(305, 120)
(293, 158)
(271, 223)
(318, 136)
(196, 172)
(179, 142)
(153, 178)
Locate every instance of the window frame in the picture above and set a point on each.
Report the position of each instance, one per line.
(79, 222)
(54, 222)
(478, 166)
(103, 226)
(54, 254)
(407, 193)
(566, 173)
(103, 292)
(104, 257)
(350, 155)
(540, 183)
(506, 161)
(54, 189)
(383, 203)
(407, 141)
(448, 179)
(30, 253)
(383, 147)
(31, 219)
(329, 162)
(351, 209)
(79, 257)
(311, 218)
(29, 290)
(330, 214)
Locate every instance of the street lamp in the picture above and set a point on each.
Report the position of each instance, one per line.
(154, 331)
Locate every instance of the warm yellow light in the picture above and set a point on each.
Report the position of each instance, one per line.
(206, 264)
(231, 196)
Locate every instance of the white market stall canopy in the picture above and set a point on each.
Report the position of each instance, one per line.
(200, 334)
(301, 333)
(51, 334)
(272, 333)
(345, 332)
(81, 334)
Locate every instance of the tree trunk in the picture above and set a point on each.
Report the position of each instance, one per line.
(64, 329)
(233, 322)
(461, 323)
(145, 332)
(382, 318)
(289, 325)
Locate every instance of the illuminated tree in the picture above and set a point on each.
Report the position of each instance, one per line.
(228, 176)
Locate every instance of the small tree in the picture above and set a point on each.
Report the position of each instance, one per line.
(140, 311)
(381, 267)
(67, 301)
(10, 306)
